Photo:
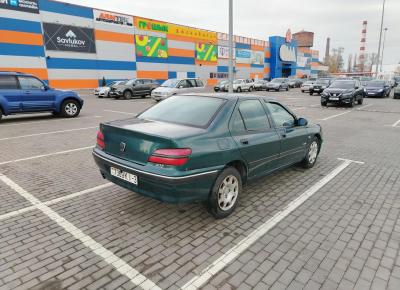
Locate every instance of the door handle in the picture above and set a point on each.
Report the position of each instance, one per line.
(244, 141)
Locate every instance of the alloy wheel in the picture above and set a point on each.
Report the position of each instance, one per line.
(313, 152)
(71, 109)
(228, 193)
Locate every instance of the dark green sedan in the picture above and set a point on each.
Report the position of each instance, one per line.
(204, 148)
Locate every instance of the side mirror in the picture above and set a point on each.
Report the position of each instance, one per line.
(302, 122)
(44, 88)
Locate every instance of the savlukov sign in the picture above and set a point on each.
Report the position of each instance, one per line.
(147, 24)
(31, 6)
(68, 38)
(113, 18)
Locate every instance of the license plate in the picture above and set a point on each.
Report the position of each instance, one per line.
(131, 178)
(334, 98)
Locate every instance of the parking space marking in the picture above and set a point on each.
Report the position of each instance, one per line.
(334, 116)
(120, 112)
(363, 107)
(219, 264)
(52, 120)
(109, 257)
(297, 109)
(55, 201)
(48, 133)
(396, 123)
(46, 155)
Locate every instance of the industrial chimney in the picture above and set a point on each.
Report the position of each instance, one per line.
(327, 51)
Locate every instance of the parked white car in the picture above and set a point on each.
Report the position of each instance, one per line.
(173, 87)
(102, 92)
(241, 85)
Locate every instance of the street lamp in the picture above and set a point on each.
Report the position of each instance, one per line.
(380, 39)
(230, 46)
(383, 47)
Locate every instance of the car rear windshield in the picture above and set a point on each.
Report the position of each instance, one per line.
(193, 111)
(376, 84)
(343, 85)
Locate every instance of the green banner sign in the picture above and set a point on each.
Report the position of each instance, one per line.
(151, 46)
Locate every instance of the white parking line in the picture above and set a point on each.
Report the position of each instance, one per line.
(54, 201)
(52, 120)
(219, 264)
(363, 107)
(396, 123)
(109, 257)
(120, 112)
(334, 116)
(46, 155)
(47, 133)
(298, 109)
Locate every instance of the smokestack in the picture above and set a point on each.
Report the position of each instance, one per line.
(362, 46)
(327, 51)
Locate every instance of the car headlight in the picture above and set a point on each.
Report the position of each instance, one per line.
(380, 91)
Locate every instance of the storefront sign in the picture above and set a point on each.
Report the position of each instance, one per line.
(150, 46)
(206, 52)
(243, 56)
(223, 52)
(68, 38)
(151, 25)
(287, 53)
(31, 6)
(112, 18)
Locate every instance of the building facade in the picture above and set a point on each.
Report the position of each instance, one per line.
(72, 46)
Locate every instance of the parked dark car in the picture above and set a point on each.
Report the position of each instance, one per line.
(396, 94)
(396, 81)
(278, 84)
(134, 88)
(24, 93)
(319, 86)
(345, 92)
(377, 88)
(220, 86)
(204, 147)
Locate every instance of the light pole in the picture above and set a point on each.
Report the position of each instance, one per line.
(380, 39)
(230, 46)
(383, 47)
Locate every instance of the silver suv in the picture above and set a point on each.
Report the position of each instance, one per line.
(173, 87)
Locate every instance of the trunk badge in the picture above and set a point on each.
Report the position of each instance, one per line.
(122, 146)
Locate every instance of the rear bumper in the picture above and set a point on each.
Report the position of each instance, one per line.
(173, 189)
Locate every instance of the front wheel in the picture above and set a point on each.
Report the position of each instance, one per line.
(312, 154)
(360, 101)
(70, 109)
(287, 88)
(250, 89)
(324, 104)
(225, 193)
(239, 90)
(1, 114)
(311, 93)
(352, 102)
(128, 95)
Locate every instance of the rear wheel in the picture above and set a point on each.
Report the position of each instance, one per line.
(128, 94)
(250, 89)
(70, 109)
(1, 113)
(324, 104)
(225, 193)
(360, 101)
(312, 154)
(239, 90)
(352, 102)
(287, 88)
(311, 93)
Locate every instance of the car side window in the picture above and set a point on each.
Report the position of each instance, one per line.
(237, 124)
(139, 82)
(183, 84)
(30, 83)
(8, 83)
(254, 116)
(192, 83)
(199, 83)
(280, 115)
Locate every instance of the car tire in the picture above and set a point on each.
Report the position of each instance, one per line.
(311, 93)
(312, 154)
(239, 90)
(250, 89)
(128, 95)
(100, 97)
(352, 103)
(222, 203)
(360, 101)
(302, 91)
(267, 90)
(70, 109)
(287, 89)
(1, 113)
(324, 104)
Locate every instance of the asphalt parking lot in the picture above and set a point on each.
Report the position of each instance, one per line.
(335, 226)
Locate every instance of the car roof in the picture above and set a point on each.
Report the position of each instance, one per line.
(229, 96)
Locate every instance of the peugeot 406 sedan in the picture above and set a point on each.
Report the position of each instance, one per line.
(204, 147)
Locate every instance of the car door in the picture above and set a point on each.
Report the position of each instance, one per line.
(36, 95)
(200, 86)
(11, 94)
(139, 87)
(184, 87)
(258, 141)
(293, 138)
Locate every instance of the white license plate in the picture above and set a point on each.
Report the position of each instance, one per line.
(334, 99)
(131, 178)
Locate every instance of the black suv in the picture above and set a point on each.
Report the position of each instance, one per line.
(346, 92)
(319, 86)
(134, 87)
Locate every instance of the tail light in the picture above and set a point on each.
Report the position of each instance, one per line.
(173, 157)
(100, 140)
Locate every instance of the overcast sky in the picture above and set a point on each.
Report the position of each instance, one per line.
(339, 19)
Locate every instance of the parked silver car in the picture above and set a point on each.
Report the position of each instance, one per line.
(173, 87)
(103, 92)
(278, 84)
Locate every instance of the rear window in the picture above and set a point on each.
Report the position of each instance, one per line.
(185, 110)
(8, 82)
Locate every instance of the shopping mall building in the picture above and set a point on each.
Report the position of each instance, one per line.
(73, 46)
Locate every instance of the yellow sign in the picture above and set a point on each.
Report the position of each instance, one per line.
(199, 34)
(173, 29)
